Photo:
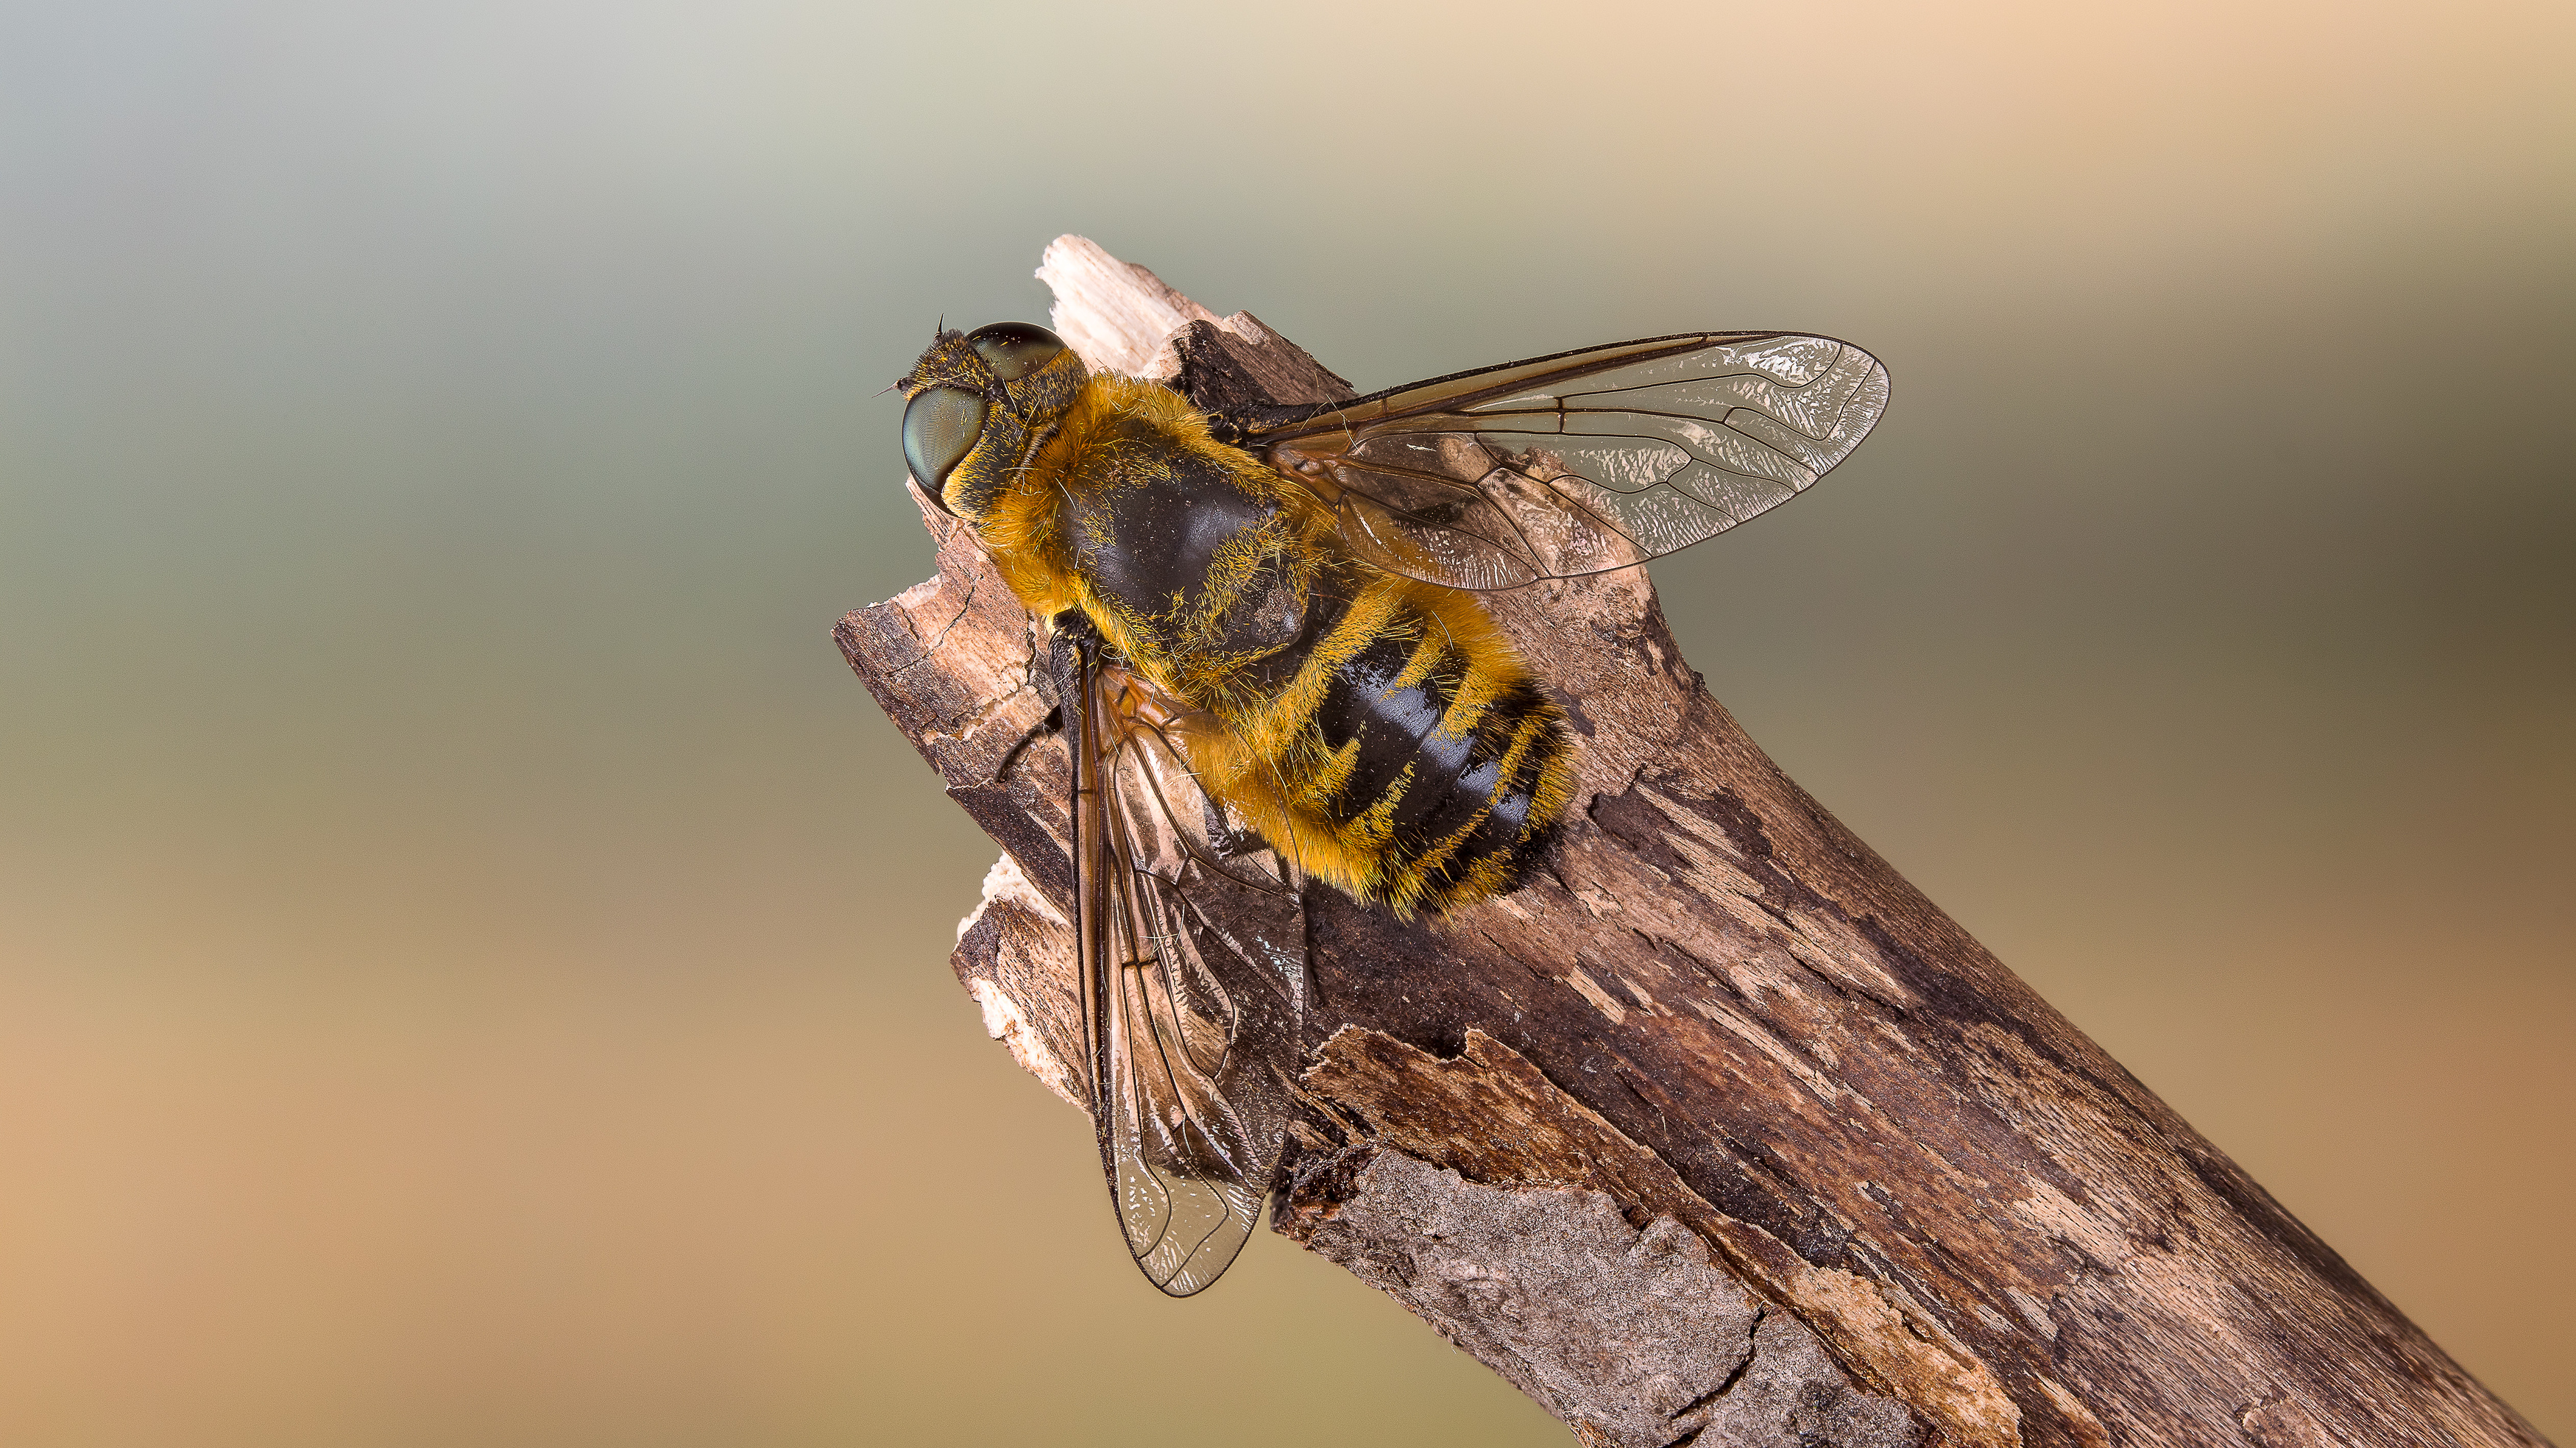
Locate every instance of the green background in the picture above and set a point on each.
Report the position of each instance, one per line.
(472, 961)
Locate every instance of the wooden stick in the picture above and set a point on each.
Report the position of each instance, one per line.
(1717, 1132)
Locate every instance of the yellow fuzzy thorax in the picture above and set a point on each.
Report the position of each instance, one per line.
(1086, 449)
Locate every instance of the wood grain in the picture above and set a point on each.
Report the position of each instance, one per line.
(1715, 1012)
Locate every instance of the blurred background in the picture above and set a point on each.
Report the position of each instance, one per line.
(472, 960)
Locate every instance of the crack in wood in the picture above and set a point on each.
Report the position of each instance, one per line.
(1725, 1386)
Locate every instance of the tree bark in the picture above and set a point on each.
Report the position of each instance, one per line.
(1717, 1131)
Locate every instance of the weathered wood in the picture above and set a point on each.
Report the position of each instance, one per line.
(1631, 1336)
(1721, 1016)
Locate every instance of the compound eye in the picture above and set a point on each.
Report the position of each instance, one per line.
(939, 428)
(1014, 349)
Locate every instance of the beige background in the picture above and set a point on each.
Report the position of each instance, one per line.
(472, 960)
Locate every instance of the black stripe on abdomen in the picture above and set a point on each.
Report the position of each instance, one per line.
(1457, 782)
(1505, 801)
(1362, 702)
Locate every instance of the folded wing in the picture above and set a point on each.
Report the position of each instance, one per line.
(1194, 970)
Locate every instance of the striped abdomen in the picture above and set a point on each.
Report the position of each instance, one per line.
(1423, 763)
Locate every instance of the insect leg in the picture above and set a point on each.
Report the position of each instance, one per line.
(1051, 723)
(1046, 681)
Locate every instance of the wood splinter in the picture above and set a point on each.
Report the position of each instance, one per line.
(1717, 1132)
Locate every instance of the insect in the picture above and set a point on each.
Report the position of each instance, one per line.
(1271, 668)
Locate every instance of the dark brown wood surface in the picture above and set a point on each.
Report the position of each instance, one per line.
(1720, 1019)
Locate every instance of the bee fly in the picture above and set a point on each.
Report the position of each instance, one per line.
(1272, 666)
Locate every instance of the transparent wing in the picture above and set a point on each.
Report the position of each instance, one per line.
(1578, 463)
(1194, 973)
